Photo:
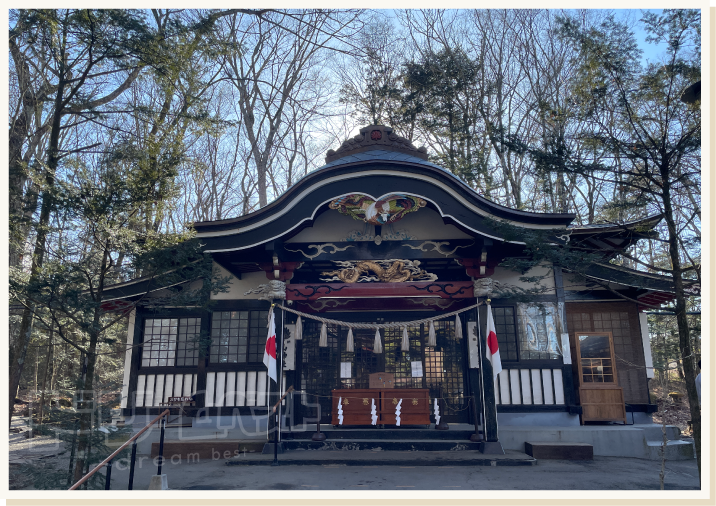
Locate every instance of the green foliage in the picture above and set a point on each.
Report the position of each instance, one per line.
(543, 247)
(441, 93)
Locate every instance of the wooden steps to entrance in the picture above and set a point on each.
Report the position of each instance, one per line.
(376, 439)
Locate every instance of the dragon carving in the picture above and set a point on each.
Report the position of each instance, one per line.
(386, 271)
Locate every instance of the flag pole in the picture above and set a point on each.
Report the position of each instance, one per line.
(482, 374)
(268, 390)
(279, 373)
(494, 393)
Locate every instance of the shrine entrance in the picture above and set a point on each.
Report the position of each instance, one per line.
(440, 368)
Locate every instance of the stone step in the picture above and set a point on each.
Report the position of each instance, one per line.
(653, 432)
(559, 450)
(214, 449)
(427, 445)
(675, 450)
(386, 434)
(331, 458)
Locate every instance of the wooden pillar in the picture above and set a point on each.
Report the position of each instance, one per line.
(567, 375)
(135, 361)
(473, 375)
(200, 399)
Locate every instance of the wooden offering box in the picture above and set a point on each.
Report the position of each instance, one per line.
(356, 406)
(414, 410)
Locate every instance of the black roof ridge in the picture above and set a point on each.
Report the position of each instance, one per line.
(396, 159)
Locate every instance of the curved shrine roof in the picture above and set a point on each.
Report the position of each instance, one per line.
(374, 168)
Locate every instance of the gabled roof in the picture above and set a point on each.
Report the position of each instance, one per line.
(653, 289)
(613, 238)
(374, 168)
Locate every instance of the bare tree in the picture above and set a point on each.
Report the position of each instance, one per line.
(273, 61)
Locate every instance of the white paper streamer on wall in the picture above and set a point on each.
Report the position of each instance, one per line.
(323, 340)
(373, 413)
(431, 335)
(397, 413)
(458, 327)
(436, 410)
(405, 343)
(340, 411)
(377, 346)
(299, 329)
(350, 347)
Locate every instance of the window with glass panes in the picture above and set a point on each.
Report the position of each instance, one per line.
(506, 330)
(238, 336)
(188, 342)
(170, 342)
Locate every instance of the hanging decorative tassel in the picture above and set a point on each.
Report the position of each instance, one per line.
(405, 343)
(458, 327)
(377, 346)
(431, 335)
(323, 341)
(299, 329)
(349, 342)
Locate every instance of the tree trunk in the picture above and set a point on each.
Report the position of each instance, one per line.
(48, 366)
(18, 352)
(87, 387)
(682, 320)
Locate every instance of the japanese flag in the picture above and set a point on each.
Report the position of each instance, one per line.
(493, 352)
(270, 351)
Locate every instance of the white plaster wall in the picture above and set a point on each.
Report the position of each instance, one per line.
(513, 278)
(237, 287)
(423, 224)
(426, 224)
(331, 226)
(572, 282)
(194, 285)
(577, 283)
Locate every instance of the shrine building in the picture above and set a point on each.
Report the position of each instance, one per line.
(379, 238)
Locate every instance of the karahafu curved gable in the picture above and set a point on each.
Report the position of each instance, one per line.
(384, 210)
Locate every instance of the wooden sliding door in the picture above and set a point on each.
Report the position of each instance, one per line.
(600, 395)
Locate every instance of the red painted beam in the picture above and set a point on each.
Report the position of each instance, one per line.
(444, 289)
(375, 304)
(285, 270)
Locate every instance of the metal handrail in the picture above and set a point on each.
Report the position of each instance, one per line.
(108, 459)
(290, 389)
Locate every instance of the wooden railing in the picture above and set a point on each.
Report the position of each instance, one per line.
(133, 441)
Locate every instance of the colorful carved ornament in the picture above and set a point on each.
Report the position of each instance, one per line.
(385, 271)
(382, 211)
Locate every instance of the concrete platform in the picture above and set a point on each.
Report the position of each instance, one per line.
(637, 441)
(607, 440)
(384, 458)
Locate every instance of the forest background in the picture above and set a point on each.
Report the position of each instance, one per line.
(127, 126)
